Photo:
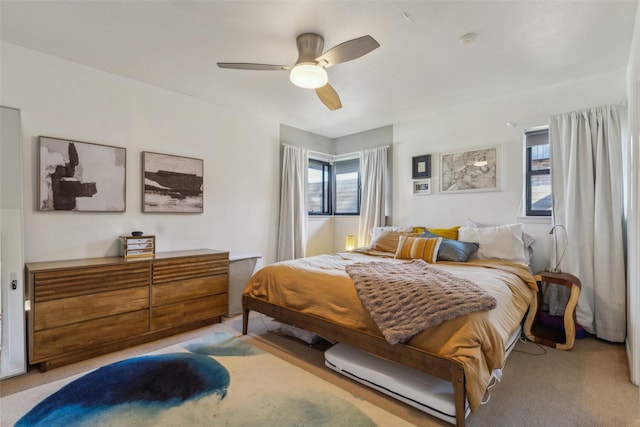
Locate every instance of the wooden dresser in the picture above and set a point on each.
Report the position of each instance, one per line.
(87, 307)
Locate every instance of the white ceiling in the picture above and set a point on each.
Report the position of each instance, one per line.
(420, 68)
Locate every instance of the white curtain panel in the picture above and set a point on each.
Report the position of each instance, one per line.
(587, 186)
(373, 167)
(292, 232)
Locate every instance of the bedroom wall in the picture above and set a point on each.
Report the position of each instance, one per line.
(62, 99)
(326, 234)
(484, 125)
(373, 138)
(468, 127)
(319, 228)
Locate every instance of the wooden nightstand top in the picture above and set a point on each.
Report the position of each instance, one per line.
(558, 277)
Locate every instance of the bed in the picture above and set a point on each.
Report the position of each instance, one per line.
(318, 294)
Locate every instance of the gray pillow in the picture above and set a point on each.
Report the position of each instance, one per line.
(453, 250)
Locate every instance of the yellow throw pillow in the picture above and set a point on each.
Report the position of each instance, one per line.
(425, 248)
(447, 233)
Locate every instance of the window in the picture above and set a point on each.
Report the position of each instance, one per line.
(538, 200)
(347, 184)
(319, 188)
(334, 188)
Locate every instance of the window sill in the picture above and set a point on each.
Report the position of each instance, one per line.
(320, 216)
(535, 219)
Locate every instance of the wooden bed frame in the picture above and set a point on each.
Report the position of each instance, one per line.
(430, 363)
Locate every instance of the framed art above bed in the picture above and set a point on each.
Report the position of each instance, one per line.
(422, 187)
(421, 166)
(471, 171)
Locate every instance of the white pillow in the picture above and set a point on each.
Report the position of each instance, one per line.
(502, 242)
(527, 239)
(377, 231)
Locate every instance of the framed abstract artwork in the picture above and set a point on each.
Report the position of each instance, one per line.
(171, 183)
(80, 176)
(421, 166)
(470, 171)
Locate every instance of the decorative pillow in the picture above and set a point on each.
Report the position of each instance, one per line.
(387, 241)
(377, 231)
(527, 239)
(447, 233)
(454, 250)
(418, 248)
(503, 242)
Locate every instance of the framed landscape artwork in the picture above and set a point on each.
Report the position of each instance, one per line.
(171, 183)
(80, 176)
(422, 187)
(469, 171)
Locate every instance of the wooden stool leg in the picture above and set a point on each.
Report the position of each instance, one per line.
(570, 319)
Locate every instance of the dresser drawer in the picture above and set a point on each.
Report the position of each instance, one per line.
(173, 292)
(71, 282)
(60, 312)
(171, 270)
(84, 335)
(183, 313)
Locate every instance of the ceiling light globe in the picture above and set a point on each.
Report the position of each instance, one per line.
(308, 76)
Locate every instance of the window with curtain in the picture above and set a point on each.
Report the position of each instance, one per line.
(538, 196)
(334, 188)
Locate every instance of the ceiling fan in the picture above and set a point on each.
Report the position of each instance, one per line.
(309, 71)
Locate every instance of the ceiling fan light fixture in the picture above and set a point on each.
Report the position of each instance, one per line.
(308, 76)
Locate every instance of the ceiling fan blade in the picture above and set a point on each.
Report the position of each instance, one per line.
(250, 66)
(329, 97)
(348, 50)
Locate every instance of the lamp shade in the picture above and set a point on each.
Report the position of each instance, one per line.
(350, 242)
(308, 76)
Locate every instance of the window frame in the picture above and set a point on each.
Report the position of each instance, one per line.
(530, 172)
(330, 196)
(326, 199)
(335, 189)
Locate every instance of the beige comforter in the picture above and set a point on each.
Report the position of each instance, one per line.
(320, 286)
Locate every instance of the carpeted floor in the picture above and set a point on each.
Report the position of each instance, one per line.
(587, 386)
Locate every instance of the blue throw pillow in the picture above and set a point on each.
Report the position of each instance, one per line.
(454, 250)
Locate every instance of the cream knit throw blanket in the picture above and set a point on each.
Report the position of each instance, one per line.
(404, 299)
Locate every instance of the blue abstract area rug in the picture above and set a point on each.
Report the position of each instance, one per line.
(216, 380)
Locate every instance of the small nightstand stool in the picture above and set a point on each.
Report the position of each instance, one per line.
(562, 340)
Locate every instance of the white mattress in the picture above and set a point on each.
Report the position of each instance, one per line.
(422, 391)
